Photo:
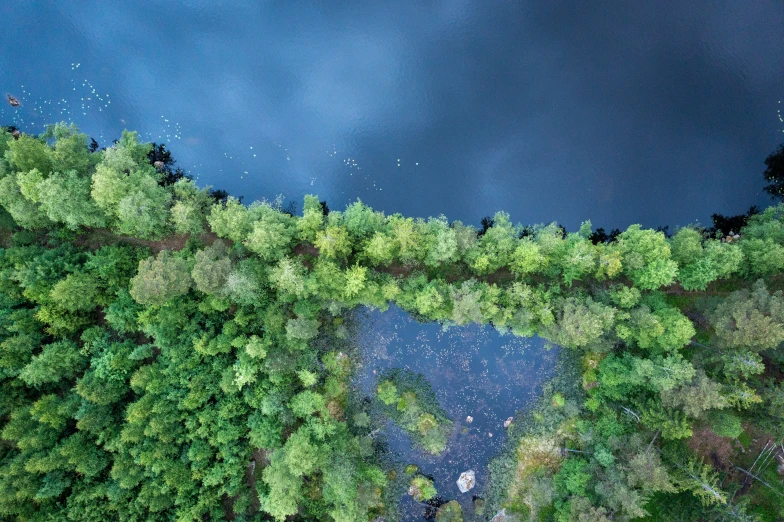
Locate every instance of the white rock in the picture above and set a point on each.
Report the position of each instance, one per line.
(466, 481)
(469, 419)
(508, 422)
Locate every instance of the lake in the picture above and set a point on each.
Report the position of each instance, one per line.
(473, 370)
(654, 113)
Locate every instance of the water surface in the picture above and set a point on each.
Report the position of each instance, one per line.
(473, 370)
(631, 112)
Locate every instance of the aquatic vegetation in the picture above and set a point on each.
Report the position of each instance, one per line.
(450, 512)
(409, 401)
(148, 371)
(422, 488)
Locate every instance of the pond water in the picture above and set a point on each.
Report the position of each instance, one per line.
(473, 370)
(631, 112)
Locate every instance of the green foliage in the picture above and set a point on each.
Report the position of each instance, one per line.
(271, 236)
(334, 242)
(750, 319)
(582, 323)
(24, 212)
(123, 399)
(76, 293)
(408, 400)
(212, 268)
(231, 220)
(572, 478)
(58, 360)
(422, 488)
(188, 214)
(725, 424)
(450, 512)
(646, 258)
(160, 279)
(28, 153)
(65, 198)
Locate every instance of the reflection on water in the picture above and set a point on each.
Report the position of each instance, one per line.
(634, 112)
(474, 371)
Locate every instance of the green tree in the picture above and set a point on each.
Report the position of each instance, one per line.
(362, 221)
(703, 482)
(527, 258)
(387, 393)
(380, 249)
(192, 205)
(407, 238)
(58, 360)
(144, 212)
(763, 257)
(466, 303)
(422, 488)
(496, 246)
(582, 323)
(70, 150)
(76, 293)
(65, 198)
(271, 235)
(646, 258)
(443, 245)
(28, 153)
(334, 242)
(285, 489)
(302, 328)
(212, 268)
(697, 397)
(288, 276)
(24, 212)
(160, 279)
(578, 259)
(312, 219)
(231, 220)
(573, 477)
(750, 319)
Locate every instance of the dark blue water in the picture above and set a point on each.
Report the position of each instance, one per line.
(651, 112)
(473, 371)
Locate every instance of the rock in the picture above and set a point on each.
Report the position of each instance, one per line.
(508, 422)
(16, 134)
(469, 419)
(13, 101)
(158, 165)
(466, 481)
(490, 434)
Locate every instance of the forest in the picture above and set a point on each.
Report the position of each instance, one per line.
(168, 353)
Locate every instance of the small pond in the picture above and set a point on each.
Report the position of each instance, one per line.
(473, 370)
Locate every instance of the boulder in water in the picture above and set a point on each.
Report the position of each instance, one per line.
(469, 419)
(508, 422)
(466, 481)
